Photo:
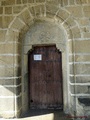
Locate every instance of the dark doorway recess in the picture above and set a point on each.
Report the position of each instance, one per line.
(45, 78)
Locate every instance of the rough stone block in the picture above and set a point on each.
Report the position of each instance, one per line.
(51, 9)
(70, 22)
(32, 11)
(86, 10)
(12, 36)
(2, 35)
(24, 1)
(1, 10)
(8, 10)
(7, 91)
(63, 15)
(30, 1)
(55, 2)
(18, 2)
(80, 79)
(7, 20)
(76, 32)
(10, 48)
(39, 10)
(88, 1)
(82, 69)
(18, 9)
(8, 2)
(81, 1)
(65, 2)
(12, 81)
(17, 25)
(10, 71)
(82, 58)
(6, 104)
(82, 46)
(40, 1)
(1, 22)
(26, 17)
(76, 11)
(83, 21)
(76, 89)
(71, 2)
(86, 35)
(10, 60)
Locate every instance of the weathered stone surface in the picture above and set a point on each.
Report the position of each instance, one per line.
(7, 91)
(24, 1)
(80, 79)
(86, 35)
(1, 22)
(77, 89)
(26, 17)
(2, 35)
(88, 1)
(40, 1)
(8, 10)
(18, 9)
(8, 2)
(71, 2)
(17, 25)
(1, 10)
(79, 58)
(65, 2)
(86, 10)
(12, 36)
(10, 60)
(51, 9)
(84, 21)
(10, 48)
(4, 103)
(10, 71)
(30, 1)
(82, 58)
(80, 69)
(55, 2)
(76, 11)
(70, 22)
(6, 21)
(18, 1)
(62, 14)
(81, 1)
(10, 81)
(82, 46)
(39, 10)
(76, 32)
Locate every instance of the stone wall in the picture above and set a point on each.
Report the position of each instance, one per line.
(16, 18)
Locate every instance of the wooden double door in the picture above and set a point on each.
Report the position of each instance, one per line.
(45, 78)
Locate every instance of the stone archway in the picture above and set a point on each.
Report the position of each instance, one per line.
(20, 26)
(40, 33)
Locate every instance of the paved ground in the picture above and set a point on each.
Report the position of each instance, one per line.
(43, 115)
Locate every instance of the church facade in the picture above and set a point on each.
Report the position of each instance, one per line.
(34, 31)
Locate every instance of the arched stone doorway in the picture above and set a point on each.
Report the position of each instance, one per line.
(40, 33)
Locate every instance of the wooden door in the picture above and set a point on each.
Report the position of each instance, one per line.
(45, 77)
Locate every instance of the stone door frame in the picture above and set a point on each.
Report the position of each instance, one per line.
(65, 70)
